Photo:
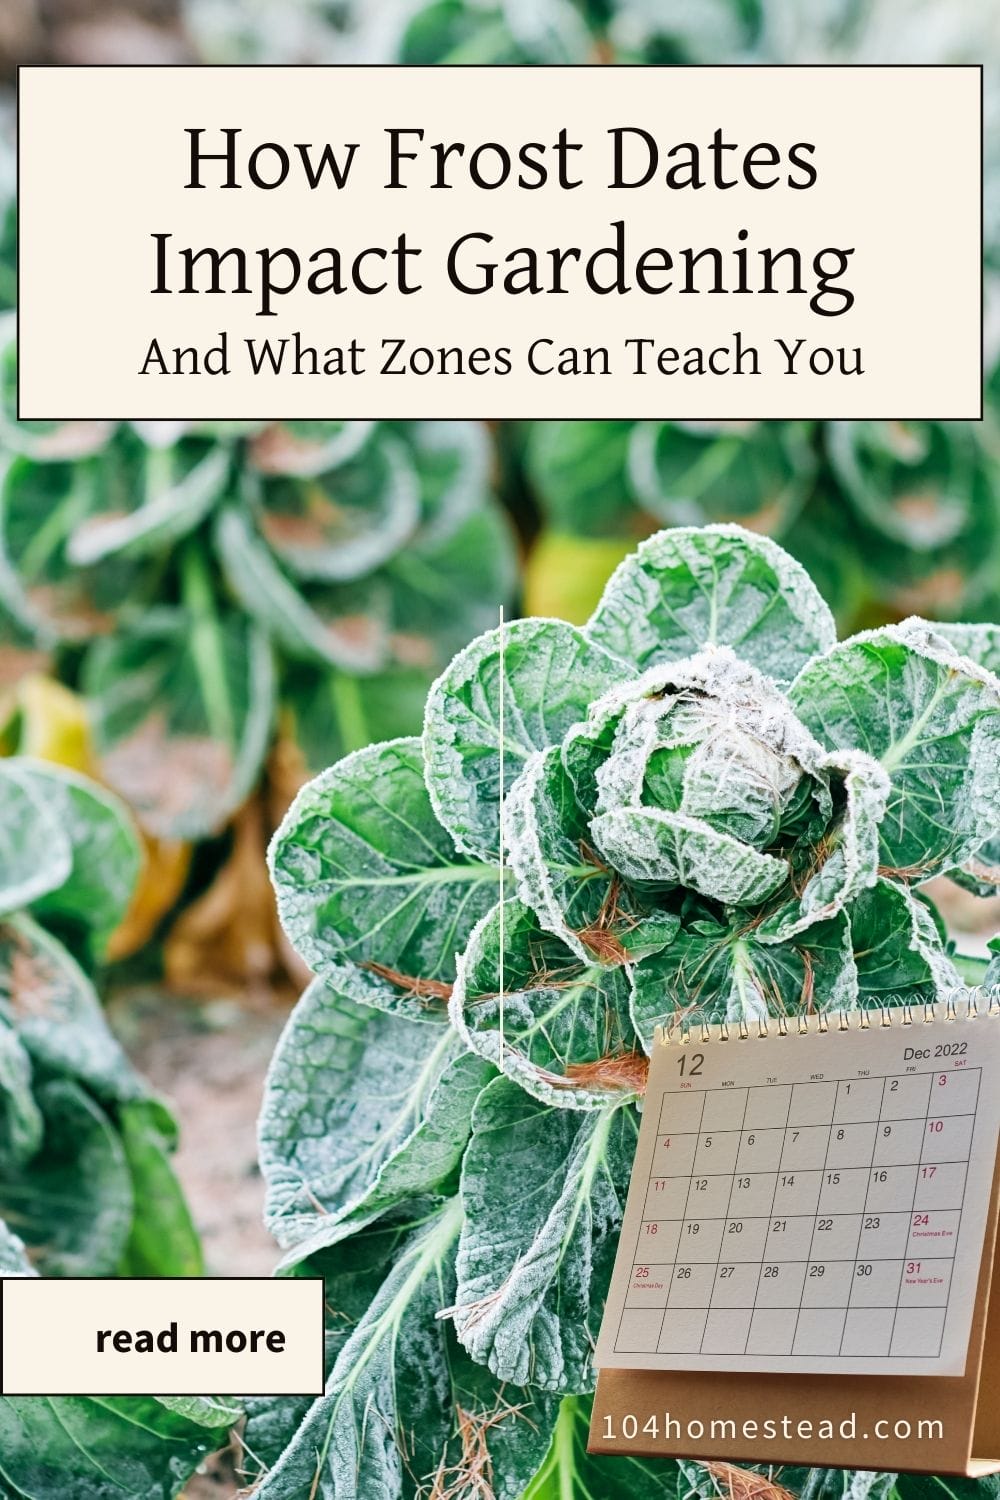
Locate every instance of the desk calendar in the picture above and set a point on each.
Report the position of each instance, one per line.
(811, 1202)
(823, 1201)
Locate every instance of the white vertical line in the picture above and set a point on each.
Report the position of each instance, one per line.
(503, 680)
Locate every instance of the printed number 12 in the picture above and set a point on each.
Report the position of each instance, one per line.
(697, 1062)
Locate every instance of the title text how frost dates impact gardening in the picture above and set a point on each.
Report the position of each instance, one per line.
(475, 262)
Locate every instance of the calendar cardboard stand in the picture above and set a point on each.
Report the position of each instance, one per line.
(968, 1407)
(667, 1409)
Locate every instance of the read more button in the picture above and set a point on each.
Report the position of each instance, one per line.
(248, 1336)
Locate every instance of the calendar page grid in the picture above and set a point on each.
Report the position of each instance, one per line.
(801, 1219)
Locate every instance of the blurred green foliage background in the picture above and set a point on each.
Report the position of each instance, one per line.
(202, 616)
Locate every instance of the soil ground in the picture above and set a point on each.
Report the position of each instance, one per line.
(209, 1059)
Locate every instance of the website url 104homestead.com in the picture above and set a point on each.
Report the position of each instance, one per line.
(631, 1427)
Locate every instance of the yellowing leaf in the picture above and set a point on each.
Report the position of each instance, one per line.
(565, 575)
(54, 728)
(227, 938)
(164, 873)
(54, 723)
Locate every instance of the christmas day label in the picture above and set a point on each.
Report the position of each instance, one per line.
(727, 243)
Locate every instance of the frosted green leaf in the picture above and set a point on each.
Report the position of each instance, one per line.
(553, 31)
(573, 895)
(163, 1240)
(691, 473)
(539, 1238)
(13, 1261)
(648, 844)
(714, 972)
(363, 871)
(577, 469)
(446, 587)
(99, 1448)
(551, 673)
(422, 1164)
(335, 633)
(336, 520)
(304, 448)
(106, 856)
(205, 1411)
(48, 999)
(279, 1428)
(992, 975)
(898, 953)
(72, 1204)
(913, 482)
(330, 714)
(980, 643)
(165, 432)
(21, 1124)
(932, 719)
(401, 1394)
(182, 709)
(35, 852)
(151, 497)
(271, 1424)
(567, 1036)
(981, 872)
(41, 505)
(847, 859)
(843, 1484)
(569, 1472)
(714, 585)
(361, 1111)
(397, 626)
(452, 461)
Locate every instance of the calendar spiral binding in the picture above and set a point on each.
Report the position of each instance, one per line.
(960, 1005)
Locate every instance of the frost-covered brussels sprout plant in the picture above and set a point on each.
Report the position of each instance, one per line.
(86, 1187)
(85, 1179)
(891, 518)
(204, 583)
(707, 805)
